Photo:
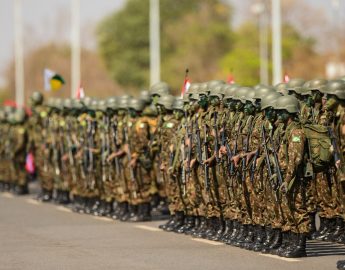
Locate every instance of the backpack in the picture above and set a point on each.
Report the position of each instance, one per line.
(320, 145)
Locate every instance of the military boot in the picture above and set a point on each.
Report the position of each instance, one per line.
(249, 240)
(235, 231)
(324, 224)
(21, 189)
(312, 232)
(45, 195)
(165, 225)
(339, 229)
(284, 245)
(260, 235)
(108, 208)
(177, 222)
(124, 212)
(201, 232)
(2, 185)
(143, 213)
(227, 230)
(298, 247)
(274, 243)
(96, 206)
(218, 229)
(133, 212)
(197, 221)
(117, 210)
(328, 234)
(64, 197)
(341, 265)
(189, 223)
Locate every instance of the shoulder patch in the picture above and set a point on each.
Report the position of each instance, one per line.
(296, 139)
(170, 125)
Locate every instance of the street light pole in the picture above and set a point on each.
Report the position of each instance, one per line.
(154, 42)
(75, 46)
(18, 53)
(276, 42)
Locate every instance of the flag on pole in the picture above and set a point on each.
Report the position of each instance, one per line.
(286, 78)
(186, 84)
(80, 93)
(30, 163)
(52, 80)
(230, 79)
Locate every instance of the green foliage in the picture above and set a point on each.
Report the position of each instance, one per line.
(194, 34)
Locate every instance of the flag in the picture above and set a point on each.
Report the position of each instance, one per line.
(80, 92)
(286, 78)
(30, 163)
(52, 80)
(186, 84)
(230, 79)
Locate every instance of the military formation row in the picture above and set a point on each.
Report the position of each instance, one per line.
(250, 167)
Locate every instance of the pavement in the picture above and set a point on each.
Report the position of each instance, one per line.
(36, 235)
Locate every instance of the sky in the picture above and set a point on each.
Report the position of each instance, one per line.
(49, 20)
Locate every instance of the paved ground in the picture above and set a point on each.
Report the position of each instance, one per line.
(46, 236)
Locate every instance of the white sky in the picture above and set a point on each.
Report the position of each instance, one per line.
(49, 20)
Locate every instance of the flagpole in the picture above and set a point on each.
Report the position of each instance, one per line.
(18, 53)
(276, 42)
(154, 42)
(75, 46)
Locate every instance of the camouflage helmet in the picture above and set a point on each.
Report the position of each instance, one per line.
(58, 103)
(250, 95)
(214, 83)
(194, 97)
(262, 91)
(150, 110)
(112, 103)
(241, 93)
(203, 89)
(230, 91)
(9, 109)
(160, 88)
(145, 96)
(295, 85)
(186, 98)
(335, 87)
(281, 88)
(68, 103)
(123, 102)
(10, 117)
(77, 104)
(86, 101)
(193, 88)
(36, 98)
(136, 104)
(19, 115)
(102, 105)
(166, 101)
(269, 99)
(218, 91)
(178, 104)
(315, 84)
(2, 115)
(289, 103)
(260, 85)
(94, 105)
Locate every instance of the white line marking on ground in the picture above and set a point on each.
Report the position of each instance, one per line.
(8, 195)
(63, 209)
(33, 201)
(148, 228)
(103, 218)
(214, 243)
(280, 258)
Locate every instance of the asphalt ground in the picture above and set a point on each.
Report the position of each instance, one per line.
(36, 235)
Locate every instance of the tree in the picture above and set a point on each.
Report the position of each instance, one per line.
(194, 34)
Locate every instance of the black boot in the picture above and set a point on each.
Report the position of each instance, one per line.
(217, 231)
(284, 245)
(108, 208)
(201, 232)
(21, 189)
(241, 236)
(197, 222)
(341, 265)
(82, 205)
(339, 229)
(290, 245)
(45, 195)
(328, 235)
(299, 247)
(235, 231)
(177, 222)
(227, 231)
(249, 240)
(269, 237)
(99, 210)
(143, 213)
(276, 242)
(324, 223)
(117, 209)
(312, 232)
(165, 225)
(2, 185)
(124, 213)
(202, 223)
(189, 223)
(133, 212)
(64, 197)
(259, 239)
(96, 206)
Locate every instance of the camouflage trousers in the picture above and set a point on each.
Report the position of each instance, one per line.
(257, 197)
(175, 193)
(120, 187)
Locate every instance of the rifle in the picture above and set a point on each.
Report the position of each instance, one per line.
(189, 133)
(116, 160)
(276, 163)
(206, 168)
(90, 146)
(70, 153)
(55, 149)
(216, 143)
(129, 157)
(253, 167)
(104, 148)
(235, 151)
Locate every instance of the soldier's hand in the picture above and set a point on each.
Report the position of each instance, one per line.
(64, 157)
(133, 163)
(337, 164)
(207, 161)
(192, 163)
(170, 170)
(222, 151)
(236, 159)
(283, 188)
(171, 148)
(343, 130)
(162, 167)
(126, 147)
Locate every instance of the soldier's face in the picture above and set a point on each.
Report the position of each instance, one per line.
(214, 101)
(132, 113)
(155, 99)
(203, 101)
(270, 114)
(178, 114)
(161, 110)
(317, 95)
(249, 108)
(239, 105)
(331, 103)
(283, 116)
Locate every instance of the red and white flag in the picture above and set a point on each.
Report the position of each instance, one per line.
(80, 92)
(286, 78)
(186, 84)
(230, 79)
